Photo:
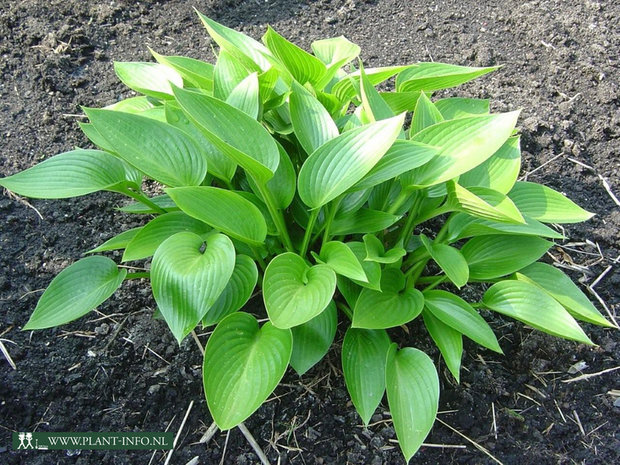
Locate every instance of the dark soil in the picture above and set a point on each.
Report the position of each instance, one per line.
(561, 67)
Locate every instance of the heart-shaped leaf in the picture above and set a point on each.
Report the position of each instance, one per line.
(449, 259)
(76, 291)
(372, 270)
(375, 251)
(236, 293)
(312, 340)
(363, 364)
(295, 292)
(186, 281)
(342, 260)
(242, 366)
(224, 210)
(412, 387)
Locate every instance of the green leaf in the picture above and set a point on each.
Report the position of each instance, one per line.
(544, 204)
(340, 163)
(295, 292)
(132, 105)
(402, 156)
(463, 144)
(463, 225)
(312, 340)
(387, 308)
(345, 89)
(119, 241)
(425, 115)
(457, 107)
(153, 234)
(401, 101)
(530, 304)
(245, 96)
(362, 221)
(236, 293)
(68, 174)
(221, 123)
(186, 281)
(374, 107)
(283, 184)
(198, 73)
(499, 172)
(251, 53)
(218, 164)
(242, 366)
(559, 286)
(450, 260)
(448, 340)
(490, 257)
(76, 290)
(302, 66)
(150, 79)
(312, 123)
(363, 364)
(349, 290)
(375, 251)
(158, 149)
(224, 210)
(437, 76)
(163, 201)
(459, 315)
(483, 202)
(340, 258)
(227, 74)
(335, 51)
(412, 387)
(372, 270)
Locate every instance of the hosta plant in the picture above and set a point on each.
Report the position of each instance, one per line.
(291, 175)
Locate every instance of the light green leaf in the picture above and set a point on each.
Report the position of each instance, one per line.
(312, 123)
(362, 221)
(375, 251)
(227, 74)
(236, 293)
(559, 286)
(76, 290)
(499, 172)
(151, 236)
(530, 304)
(302, 66)
(242, 366)
(374, 107)
(345, 89)
(458, 314)
(295, 292)
(412, 387)
(449, 259)
(483, 202)
(436, 76)
(490, 257)
(463, 225)
(372, 270)
(132, 105)
(457, 107)
(335, 53)
(186, 281)
(340, 258)
(425, 115)
(68, 174)
(151, 79)
(283, 183)
(245, 96)
(363, 363)
(222, 124)
(163, 201)
(402, 156)
(349, 290)
(401, 101)
(463, 144)
(448, 340)
(312, 340)
(196, 72)
(119, 241)
(544, 204)
(340, 163)
(158, 149)
(224, 210)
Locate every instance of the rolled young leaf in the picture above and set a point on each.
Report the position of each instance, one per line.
(338, 164)
(245, 96)
(294, 292)
(198, 73)
(450, 260)
(437, 76)
(68, 174)
(151, 79)
(76, 291)
(412, 387)
(242, 365)
(530, 304)
(312, 340)
(363, 364)
(187, 281)
(425, 115)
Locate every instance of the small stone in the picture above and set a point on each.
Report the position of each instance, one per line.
(154, 389)
(331, 20)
